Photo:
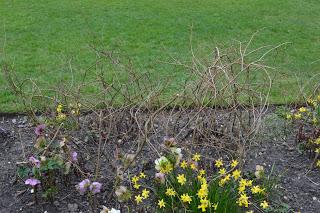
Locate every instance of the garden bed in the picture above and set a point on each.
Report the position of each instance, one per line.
(274, 148)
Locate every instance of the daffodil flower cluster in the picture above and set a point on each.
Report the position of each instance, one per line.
(188, 186)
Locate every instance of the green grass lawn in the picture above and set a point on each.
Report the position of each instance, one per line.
(39, 37)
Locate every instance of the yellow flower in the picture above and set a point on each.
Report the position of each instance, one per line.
(318, 163)
(135, 179)
(303, 109)
(184, 164)
(59, 108)
(224, 180)
(264, 204)
(186, 198)
(161, 203)
(317, 141)
(181, 179)
(202, 172)
(218, 163)
(222, 171)
(196, 157)
(138, 199)
(236, 174)
(170, 192)
(215, 206)
(193, 166)
(256, 190)
(243, 200)
(61, 117)
(145, 193)
(203, 191)
(297, 116)
(317, 150)
(204, 204)
(142, 175)
(251, 211)
(314, 120)
(234, 163)
(136, 186)
(288, 116)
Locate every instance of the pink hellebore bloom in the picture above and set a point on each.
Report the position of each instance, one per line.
(34, 161)
(74, 156)
(95, 187)
(39, 129)
(32, 182)
(160, 177)
(83, 186)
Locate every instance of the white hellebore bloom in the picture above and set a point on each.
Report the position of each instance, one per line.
(114, 211)
(259, 171)
(106, 210)
(177, 153)
(160, 161)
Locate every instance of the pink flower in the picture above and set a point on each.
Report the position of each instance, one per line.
(83, 186)
(32, 182)
(39, 129)
(74, 156)
(160, 177)
(34, 161)
(95, 187)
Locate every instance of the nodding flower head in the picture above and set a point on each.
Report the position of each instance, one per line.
(83, 186)
(95, 187)
(32, 182)
(40, 129)
(74, 156)
(34, 161)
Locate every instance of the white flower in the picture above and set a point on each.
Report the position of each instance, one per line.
(259, 171)
(114, 211)
(106, 210)
(177, 153)
(162, 160)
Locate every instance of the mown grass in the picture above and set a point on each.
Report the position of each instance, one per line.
(41, 37)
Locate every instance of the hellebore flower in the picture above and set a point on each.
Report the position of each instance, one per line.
(39, 129)
(95, 187)
(34, 161)
(160, 177)
(83, 186)
(32, 182)
(74, 156)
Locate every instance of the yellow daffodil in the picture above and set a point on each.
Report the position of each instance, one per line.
(218, 163)
(170, 192)
(161, 204)
(196, 157)
(256, 190)
(136, 186)
(186, 198)
(303, 109)
(222, 171)
(184, 164)
(202, 172)
(142, 175)
(138, 199)
(264, 204)
(236, 174)
(145, 193)
(234, 163)
(243, 200)
(135, 179)
(181, 179)
(193, 166)
(204, 204)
